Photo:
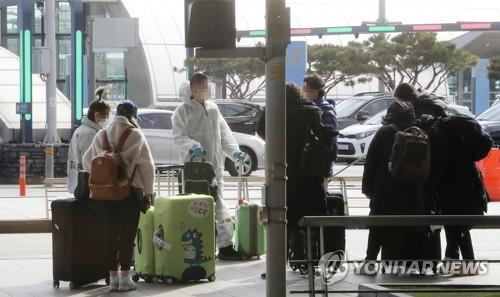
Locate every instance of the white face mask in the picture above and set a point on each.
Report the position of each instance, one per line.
(207, 94)
(103, 123)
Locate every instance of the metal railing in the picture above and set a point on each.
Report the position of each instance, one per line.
(364, 222)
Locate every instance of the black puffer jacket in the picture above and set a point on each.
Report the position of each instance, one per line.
(305, 194)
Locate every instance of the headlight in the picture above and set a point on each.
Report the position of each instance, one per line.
(364, 134)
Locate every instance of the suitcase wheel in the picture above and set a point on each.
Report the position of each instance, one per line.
(136, 277)
(55, 284)
(107, 280)
(169, 280)
(211, 278)
(72, 285)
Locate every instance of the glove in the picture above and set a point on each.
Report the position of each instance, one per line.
(196, 151)
(239, 156)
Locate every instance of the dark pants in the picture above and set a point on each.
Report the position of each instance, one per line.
(374, 242)
(124, 220)
(458, 240)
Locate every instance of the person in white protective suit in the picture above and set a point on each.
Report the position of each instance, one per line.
(198, 128)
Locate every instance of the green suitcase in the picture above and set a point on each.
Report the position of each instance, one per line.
(144, 260)
(184, 238)
(249, 233)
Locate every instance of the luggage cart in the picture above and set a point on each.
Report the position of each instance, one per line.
(169, 180)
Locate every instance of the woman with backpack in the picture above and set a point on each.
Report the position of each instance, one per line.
(95, 120)
(389, 194)
(139, 168)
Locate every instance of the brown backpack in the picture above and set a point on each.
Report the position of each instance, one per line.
(108, 174)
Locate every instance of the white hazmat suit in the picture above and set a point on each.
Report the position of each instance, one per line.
(197, 124)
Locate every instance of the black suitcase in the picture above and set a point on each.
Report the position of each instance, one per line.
(80, 242)
(334, 237)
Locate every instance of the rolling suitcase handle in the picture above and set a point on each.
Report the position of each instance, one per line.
(243, 197)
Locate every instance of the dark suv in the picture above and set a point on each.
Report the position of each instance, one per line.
(241, 115)
(361, 107)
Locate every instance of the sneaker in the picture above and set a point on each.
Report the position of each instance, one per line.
(113, 280)
(125, 283)
(228, 253)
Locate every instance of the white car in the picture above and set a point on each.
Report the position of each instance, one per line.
(353, 141)
(156, 125)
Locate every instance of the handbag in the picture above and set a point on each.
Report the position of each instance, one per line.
(82, 190)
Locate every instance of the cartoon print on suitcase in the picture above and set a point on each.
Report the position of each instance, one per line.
(184, 238)
(144, 264)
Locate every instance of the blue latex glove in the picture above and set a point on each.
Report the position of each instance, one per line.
(239, 156)
(196, 151)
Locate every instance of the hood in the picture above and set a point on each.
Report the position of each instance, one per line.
(185, 92)
(86, 121)
(359, 128)
(324, 105)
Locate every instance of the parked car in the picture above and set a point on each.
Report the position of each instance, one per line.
(353, 141)
(490, 166)
(361, 107)
(490, 116)
(241, 115)
(157, 127)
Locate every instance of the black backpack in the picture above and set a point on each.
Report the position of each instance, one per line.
(466, 134)
(410, 156)
(318, 151)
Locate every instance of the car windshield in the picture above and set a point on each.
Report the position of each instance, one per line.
(348, 106)
(376, 119)
(492, 114)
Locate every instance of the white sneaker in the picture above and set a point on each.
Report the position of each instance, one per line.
(113, 280)
(125, 283)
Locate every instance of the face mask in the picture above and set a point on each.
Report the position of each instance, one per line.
(207, 94)
(103, 123)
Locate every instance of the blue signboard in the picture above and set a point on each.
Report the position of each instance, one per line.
(22, 108)
(296, 62)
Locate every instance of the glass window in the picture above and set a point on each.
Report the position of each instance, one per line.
(63, 17)
(115, 90)
(237, 110)
(375, 107)
(38, 20)
(453, 82)
(110, 66)
(12, 19)
(63, 51)
(12, 45)
(155, 121)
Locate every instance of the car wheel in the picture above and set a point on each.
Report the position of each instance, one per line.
(249, 163)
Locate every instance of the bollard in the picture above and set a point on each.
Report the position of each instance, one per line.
(49, 161)
(22, 176)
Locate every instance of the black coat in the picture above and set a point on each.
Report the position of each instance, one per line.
(459, 186)
(390, 196)
(305, 194)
